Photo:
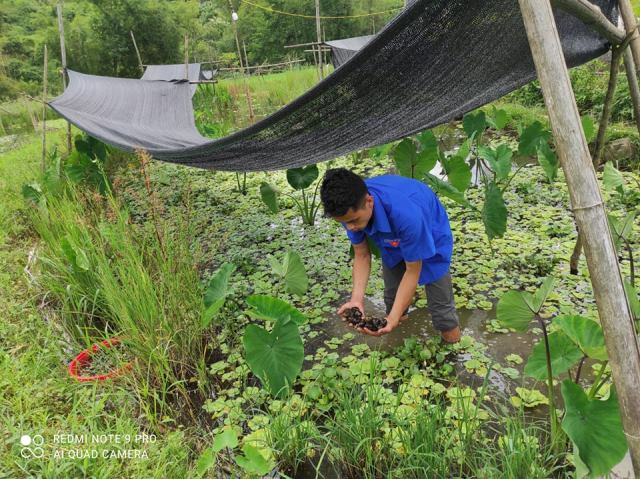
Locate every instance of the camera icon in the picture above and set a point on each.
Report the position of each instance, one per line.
(32, 446)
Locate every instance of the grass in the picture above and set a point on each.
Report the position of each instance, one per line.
(20, 116)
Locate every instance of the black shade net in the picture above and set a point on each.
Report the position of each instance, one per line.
(434, 62)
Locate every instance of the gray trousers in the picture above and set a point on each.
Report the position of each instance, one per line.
(439, 297)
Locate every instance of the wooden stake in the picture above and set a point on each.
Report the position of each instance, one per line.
(630, 25)
(186, 56)
(135, 45)
(616, 53)
(235, 32)
(45, 77)
(246, 58)
(319, 35)
(634, 89)
(589, 211)
(63, 56)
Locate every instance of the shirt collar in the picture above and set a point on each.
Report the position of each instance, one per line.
(380, 222)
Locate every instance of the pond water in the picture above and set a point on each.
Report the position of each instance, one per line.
(472, 322)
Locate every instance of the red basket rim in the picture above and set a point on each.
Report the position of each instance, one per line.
(85, 356)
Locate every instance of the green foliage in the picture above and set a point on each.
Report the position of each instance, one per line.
(564, 355)
(216, 293)
(299, 179)
(275, 357)
(292, 272)
(413, 163)
(273, 309)
(585, 333)
(594, 427)
(494, 212)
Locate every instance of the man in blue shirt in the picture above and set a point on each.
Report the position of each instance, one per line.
(407, 222)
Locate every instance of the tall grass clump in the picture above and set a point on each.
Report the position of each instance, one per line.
(111, 277)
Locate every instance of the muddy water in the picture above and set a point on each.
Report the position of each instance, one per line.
(472, 322)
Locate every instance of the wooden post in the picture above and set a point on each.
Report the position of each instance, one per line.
(319, 35)
(246, 58)
(630, 24)
(63, 56)
(634, 89)
(235, 32)
(590, 215)
(616, 52)
(135, 45)
(45, 77)
(186, 56)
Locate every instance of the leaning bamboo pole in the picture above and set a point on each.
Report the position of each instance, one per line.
(631, 26)
(63, 57)
(590, 215)
(634, 89)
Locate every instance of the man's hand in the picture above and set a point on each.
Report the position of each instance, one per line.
(392, 323)
(342, 311)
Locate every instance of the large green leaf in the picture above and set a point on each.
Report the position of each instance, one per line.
(205, 462)
(634, 302)
(74, 253)
(301, 178)
(216, 293)
(253, 462)
(548, 160)
(474, 123)
(269, 196)
(595, 428)
(536, 301)
(294, 274)
(412, 164)
(612, 178)
(273, 309)
(564, 354)
(441, 187)
(497, 118)
(513, 310)
(458, 173)
(427, 140)
(587, 334)
(494, 212)
(588, 127)
(531, 137)
(499, 159)
(275, 357)
(227, 438)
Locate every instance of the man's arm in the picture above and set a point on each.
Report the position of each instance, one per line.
(404, 296)
(361, 270)
(360, 274)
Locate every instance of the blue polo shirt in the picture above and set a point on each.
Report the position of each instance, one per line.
(408, 224)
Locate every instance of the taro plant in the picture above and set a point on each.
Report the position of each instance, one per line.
(593, 425)
(300, 179)
(87, 162)
(275, 356)
(622, 230)
(248, 458)
(216, 294)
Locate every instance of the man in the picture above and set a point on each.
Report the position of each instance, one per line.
(407, 222)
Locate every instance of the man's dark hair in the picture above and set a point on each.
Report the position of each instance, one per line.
(342, 189)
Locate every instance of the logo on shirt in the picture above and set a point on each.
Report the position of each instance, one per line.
(392, 242)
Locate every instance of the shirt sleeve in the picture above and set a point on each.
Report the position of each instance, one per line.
(416, 239)
(356, 237)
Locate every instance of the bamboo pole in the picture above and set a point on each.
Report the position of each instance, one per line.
(63, 56)
(589, 211)
(45, 77)
(616, 53)
(186, 57)
(135, 45)
(630, 25)
(319, 35)
(634, 89)
(592, 16)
